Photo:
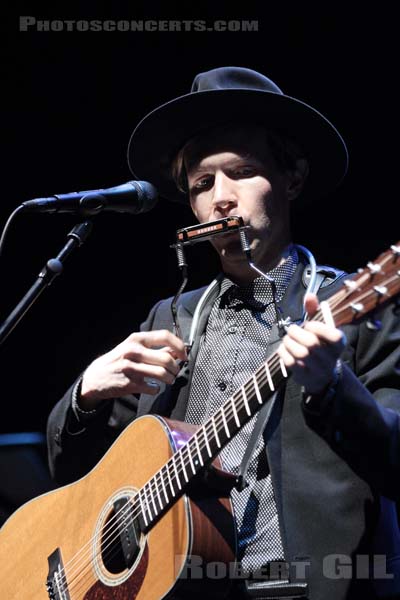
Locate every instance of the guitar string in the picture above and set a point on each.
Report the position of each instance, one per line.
(185, 450)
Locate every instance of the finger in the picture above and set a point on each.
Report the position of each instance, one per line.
(161, 338)
(288, 359)
(317, 342)
(140, 354)
(137, 371)
(302, 336)
(314, 376)
(311, 304)
(324, 332)
(296, 349)
(172, 352)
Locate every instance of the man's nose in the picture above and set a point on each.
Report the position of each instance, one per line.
(224, 194)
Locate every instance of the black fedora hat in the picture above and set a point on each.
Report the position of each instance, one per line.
(229, 94)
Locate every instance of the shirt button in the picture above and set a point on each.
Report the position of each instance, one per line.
(232, 329)
(222, 386)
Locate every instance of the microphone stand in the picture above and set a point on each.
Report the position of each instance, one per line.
(52, 268)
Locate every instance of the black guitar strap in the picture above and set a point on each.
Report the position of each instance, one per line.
(259, 426)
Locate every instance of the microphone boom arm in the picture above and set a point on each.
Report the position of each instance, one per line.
(52, 268)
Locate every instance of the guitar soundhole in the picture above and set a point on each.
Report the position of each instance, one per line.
(111, 549)
(120, 538)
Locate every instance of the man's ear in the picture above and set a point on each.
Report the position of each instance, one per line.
(297, 178)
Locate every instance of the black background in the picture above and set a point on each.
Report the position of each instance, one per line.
(70, 102)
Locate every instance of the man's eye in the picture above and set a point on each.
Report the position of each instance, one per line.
(202, 183)
(245, 172)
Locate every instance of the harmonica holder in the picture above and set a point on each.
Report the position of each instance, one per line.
(312, 287)
(247, 250)
(192, 235)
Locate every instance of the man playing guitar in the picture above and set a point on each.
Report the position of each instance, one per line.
(324, 472)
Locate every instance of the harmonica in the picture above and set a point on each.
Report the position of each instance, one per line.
(204, 231)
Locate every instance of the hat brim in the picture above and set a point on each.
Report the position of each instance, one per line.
(163, 132)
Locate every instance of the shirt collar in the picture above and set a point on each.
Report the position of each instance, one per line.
(258, 293)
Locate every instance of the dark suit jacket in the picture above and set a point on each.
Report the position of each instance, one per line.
(335, 468)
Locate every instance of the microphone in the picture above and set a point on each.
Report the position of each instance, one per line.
(133, 197)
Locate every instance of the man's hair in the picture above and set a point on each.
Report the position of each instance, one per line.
(285, 152)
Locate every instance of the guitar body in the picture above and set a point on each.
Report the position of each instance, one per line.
(66, 531)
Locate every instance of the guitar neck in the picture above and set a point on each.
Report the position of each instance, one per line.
(167, 485)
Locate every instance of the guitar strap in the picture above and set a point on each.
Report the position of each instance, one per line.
(264, 414)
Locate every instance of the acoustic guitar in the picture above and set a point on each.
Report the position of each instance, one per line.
(154, 515)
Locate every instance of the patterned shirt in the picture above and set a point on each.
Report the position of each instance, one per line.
(233, 346)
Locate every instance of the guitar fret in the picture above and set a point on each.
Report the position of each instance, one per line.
(170, 482)
(183, 467)
(158, 491)
(190, 459)
(246, 404)
(228, 433)
(235, 412)
(260, 401)
(327, 313)
(147, 502)
(207, 444)
(176, 474)
(198, 450)
(270, 382)
(283, 368)
(163, 487)
(215, 432)
(153, 502)
(142, 508)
